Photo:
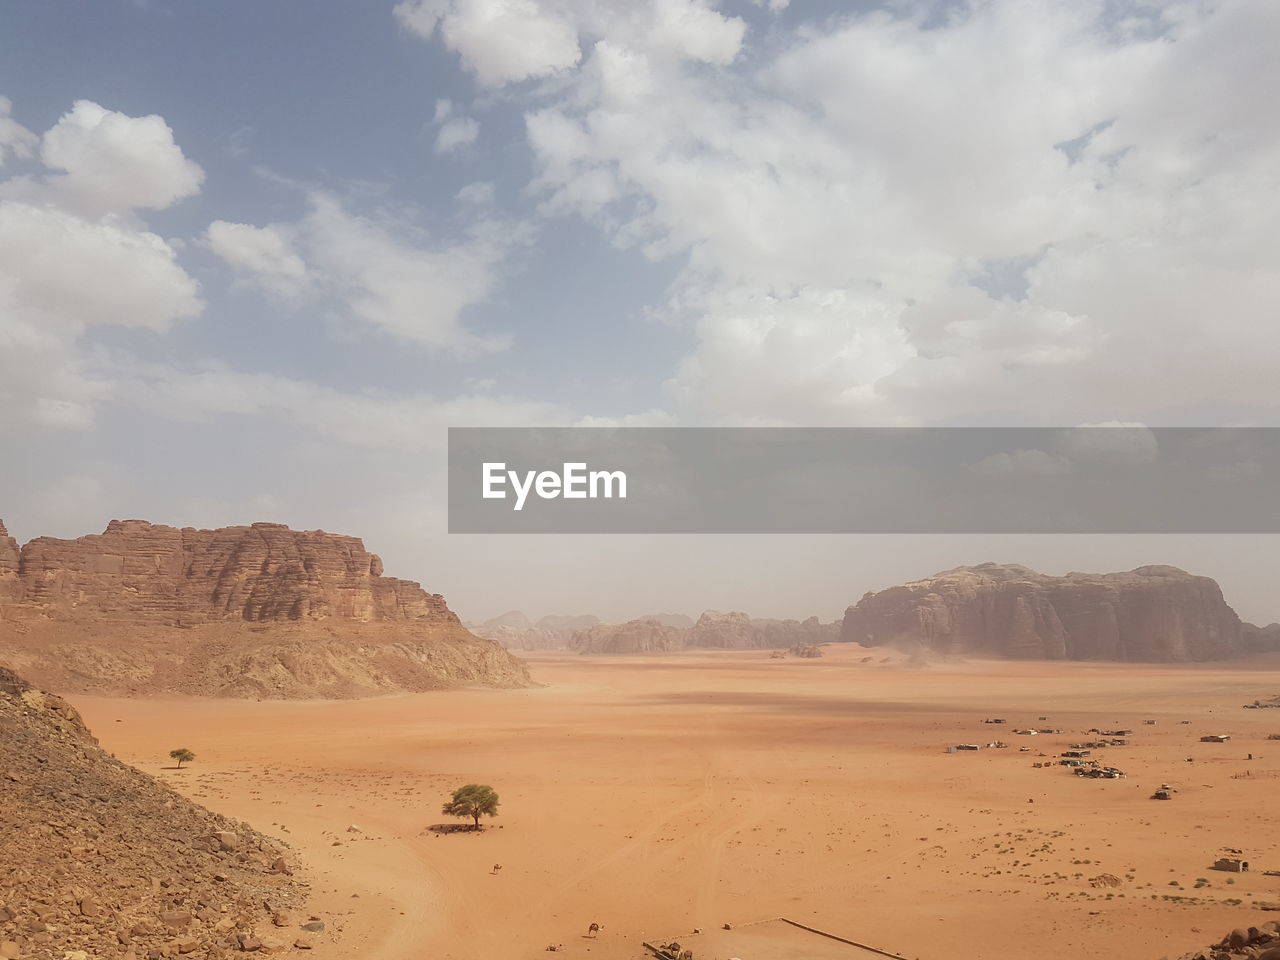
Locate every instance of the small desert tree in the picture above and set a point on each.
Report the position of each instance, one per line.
(474, 800)
(182, 755)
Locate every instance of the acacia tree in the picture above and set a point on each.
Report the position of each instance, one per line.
(182, 754)
(474, 800)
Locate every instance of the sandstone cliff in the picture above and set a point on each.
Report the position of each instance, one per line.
(261, 611)
(140, 571)
(101, 858)
(1154, 613)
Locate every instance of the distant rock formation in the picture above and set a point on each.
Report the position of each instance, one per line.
(101, 860)
(634, 636)
(669, 619)
(1151, 614)
(511, 620)
(1260, 639)
(261, 610)
(515, 631)
(712, 631)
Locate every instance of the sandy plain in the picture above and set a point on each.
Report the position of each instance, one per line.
(654, 795)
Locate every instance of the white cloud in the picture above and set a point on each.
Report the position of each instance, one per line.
(264, 253)
(76, 272)
(63, 272)
(841, 206)
(456, 132)
(15, 139)
(397, 281)
(112, 163)
(501, 41)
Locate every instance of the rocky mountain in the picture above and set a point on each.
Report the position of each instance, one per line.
(261, 611)
(98, 857)
(1154, 613)
(712, 631)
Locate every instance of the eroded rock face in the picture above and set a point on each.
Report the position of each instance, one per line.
(10, 556)
(137, 570)
(261, 611)
(1154, 614)
(101, 858)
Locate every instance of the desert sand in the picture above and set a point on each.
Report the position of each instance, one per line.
(654, 795)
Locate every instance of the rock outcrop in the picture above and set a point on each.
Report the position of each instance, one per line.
(712, 631)
(1151, 614)
(101, 858)
(261, 611)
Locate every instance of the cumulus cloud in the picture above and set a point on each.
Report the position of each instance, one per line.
(1019, 209)
(109, 163)
(70, 262)
(511, 41)
(501, 41)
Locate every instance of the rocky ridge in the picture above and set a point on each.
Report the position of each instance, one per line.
(258, 610)
(712, 631)
(1151, 614)
(98, 857)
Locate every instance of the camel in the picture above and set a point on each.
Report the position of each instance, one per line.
(496, 867)
(594, 929)
(686, 955)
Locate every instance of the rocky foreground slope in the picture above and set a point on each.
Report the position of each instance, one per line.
(98, 857)
(1152, 614)
(1243, 943)
(712, 631)
(261, 611)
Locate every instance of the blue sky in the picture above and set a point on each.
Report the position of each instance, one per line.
(255, 258)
